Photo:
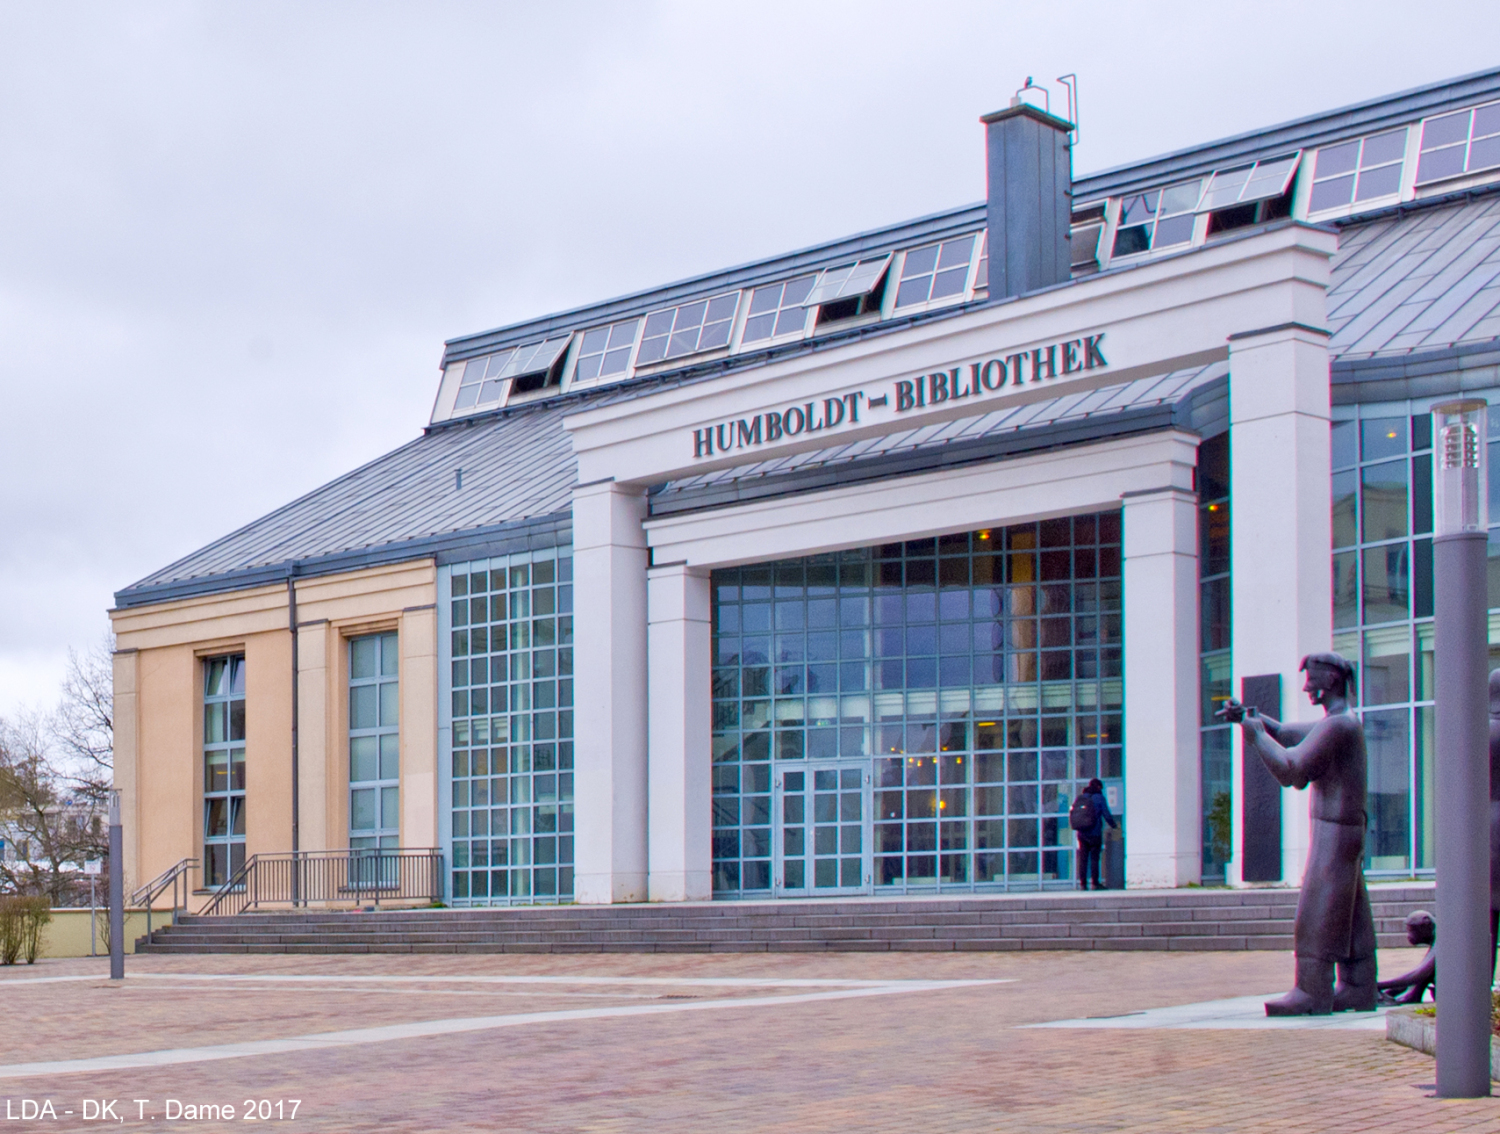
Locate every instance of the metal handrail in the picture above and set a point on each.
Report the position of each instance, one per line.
(175, 876)
(296, 878)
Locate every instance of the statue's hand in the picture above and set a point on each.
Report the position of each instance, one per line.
(1233, 712)
(1252, 723)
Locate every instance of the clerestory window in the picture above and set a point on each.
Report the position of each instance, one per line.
(605, 351)
(704, 324)
(936, 271)
(1360, 170)
(1465, 142)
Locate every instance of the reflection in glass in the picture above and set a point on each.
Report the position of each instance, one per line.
(1383, 499)
(1387, 741)
(1386, 578)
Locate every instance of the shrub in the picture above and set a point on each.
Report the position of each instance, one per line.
(21, 922)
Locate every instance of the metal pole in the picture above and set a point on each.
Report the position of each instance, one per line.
(291, 611)
(116, 891)
(1460, 629)
(1463, 793)
(93, 915)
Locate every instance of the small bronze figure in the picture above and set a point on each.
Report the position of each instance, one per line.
(1334, 926)
(1420, 930)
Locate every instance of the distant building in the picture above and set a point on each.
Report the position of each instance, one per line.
(837, 572)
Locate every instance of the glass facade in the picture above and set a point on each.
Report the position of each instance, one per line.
(1382, 614)
(1215, 627)
(374, 743)
(509, 728)
(223, 768)
(916, 716)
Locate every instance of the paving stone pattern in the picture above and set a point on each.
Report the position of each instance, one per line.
(940, 1060)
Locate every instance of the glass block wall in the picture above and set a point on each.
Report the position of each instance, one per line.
(1215, 627)
(1382, 612)
(509, 728)
(923, 709)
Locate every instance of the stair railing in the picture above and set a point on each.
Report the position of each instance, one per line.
(176, 878)
(358, 875)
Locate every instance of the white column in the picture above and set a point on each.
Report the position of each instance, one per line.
(680, 731)
(1280, 535)
(1162, 764)
(609, 663)
(320, 751)
(417, 642)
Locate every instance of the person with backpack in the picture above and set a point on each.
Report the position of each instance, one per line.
(1087, 816)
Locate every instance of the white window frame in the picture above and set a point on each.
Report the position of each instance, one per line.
(737, 343)
(888, 307)
(671, 362)
(1455, 180)
(1302, 207)
(570, 377)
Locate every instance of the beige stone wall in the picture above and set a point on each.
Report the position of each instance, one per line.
(159, 695)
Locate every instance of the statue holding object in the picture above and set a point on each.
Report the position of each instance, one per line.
(1334, 928)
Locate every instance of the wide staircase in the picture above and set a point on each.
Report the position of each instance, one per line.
(1131, 919)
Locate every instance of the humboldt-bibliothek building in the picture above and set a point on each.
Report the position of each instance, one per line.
(840, 571)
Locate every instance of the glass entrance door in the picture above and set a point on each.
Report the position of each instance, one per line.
(822, 836)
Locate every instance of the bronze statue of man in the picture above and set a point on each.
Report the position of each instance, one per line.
(1334, 927)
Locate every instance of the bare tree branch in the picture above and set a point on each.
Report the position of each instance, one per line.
(49, 827)
(84, 723)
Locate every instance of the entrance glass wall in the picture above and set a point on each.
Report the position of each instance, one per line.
(508, 728)
(1382, 612)
(916, 716)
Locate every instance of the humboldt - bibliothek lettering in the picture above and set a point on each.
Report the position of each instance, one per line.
(974, 380)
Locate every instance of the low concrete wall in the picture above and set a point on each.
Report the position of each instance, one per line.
(1412, 1028)
(67, 934)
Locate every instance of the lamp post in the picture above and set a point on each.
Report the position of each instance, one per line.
(1463, 861)
(116, 891)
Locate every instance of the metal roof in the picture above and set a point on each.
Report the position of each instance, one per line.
(1183, 397)
(1417, 280)
(516, 467)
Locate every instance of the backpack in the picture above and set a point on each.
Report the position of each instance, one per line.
(1084, 813)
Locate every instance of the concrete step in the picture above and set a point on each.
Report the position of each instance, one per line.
(1166, 920)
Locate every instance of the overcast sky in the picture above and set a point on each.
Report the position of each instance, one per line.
(234, 236)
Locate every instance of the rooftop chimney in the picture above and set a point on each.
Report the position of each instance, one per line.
(1030, 168)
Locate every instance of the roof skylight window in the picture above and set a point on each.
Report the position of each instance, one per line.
(848, 281)
(1358, 171)
(701, 325)
(777, 309)
(982, 272)
(534, 367)
(938, 271)
(1460, 143)
(1263, 181)
(537, 358)
(484, 379)
(481, 383)
(605, 351)
(1158, 219)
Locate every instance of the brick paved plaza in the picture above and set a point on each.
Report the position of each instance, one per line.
(845, 1042)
